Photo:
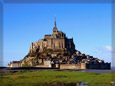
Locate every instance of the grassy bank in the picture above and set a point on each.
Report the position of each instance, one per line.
(29, 78)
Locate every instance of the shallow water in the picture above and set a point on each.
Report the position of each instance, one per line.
(73, 84)
(95, 71)
(64, 84)
(59, 84)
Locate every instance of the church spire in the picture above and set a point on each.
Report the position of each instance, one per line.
(55, 28)
(55, 22)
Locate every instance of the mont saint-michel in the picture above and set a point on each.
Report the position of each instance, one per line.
(56, 50)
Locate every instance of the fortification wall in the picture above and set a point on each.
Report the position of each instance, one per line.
(70, 66)
(85, 66)
(46, 66)
(99, 66)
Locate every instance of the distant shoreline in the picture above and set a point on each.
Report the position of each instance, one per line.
(33, 69)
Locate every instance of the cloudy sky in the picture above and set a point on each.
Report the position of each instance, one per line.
(88, 24)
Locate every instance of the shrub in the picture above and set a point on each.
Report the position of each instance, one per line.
(25, 64)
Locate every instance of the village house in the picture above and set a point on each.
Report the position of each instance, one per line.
(14, 64)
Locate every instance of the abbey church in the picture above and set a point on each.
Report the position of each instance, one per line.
(55, 41)
(57, 51)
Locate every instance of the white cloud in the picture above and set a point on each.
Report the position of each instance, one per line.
(108, 48)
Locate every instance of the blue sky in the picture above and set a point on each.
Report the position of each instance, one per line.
(88, 24)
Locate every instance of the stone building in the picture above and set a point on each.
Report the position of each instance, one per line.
(14, 64)
(55, 41)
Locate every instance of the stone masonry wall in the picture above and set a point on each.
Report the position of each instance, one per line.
(85, 66)
(70, 66)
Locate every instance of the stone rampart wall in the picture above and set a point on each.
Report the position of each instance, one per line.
(85, 66)
(99, 66)
(70, 66)
(46, 66)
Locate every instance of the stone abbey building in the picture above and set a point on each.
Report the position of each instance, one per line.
(57, 51)
(55, 41)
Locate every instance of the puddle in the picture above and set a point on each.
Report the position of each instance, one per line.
(60, 84)
(64, 84)
(73, 84)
